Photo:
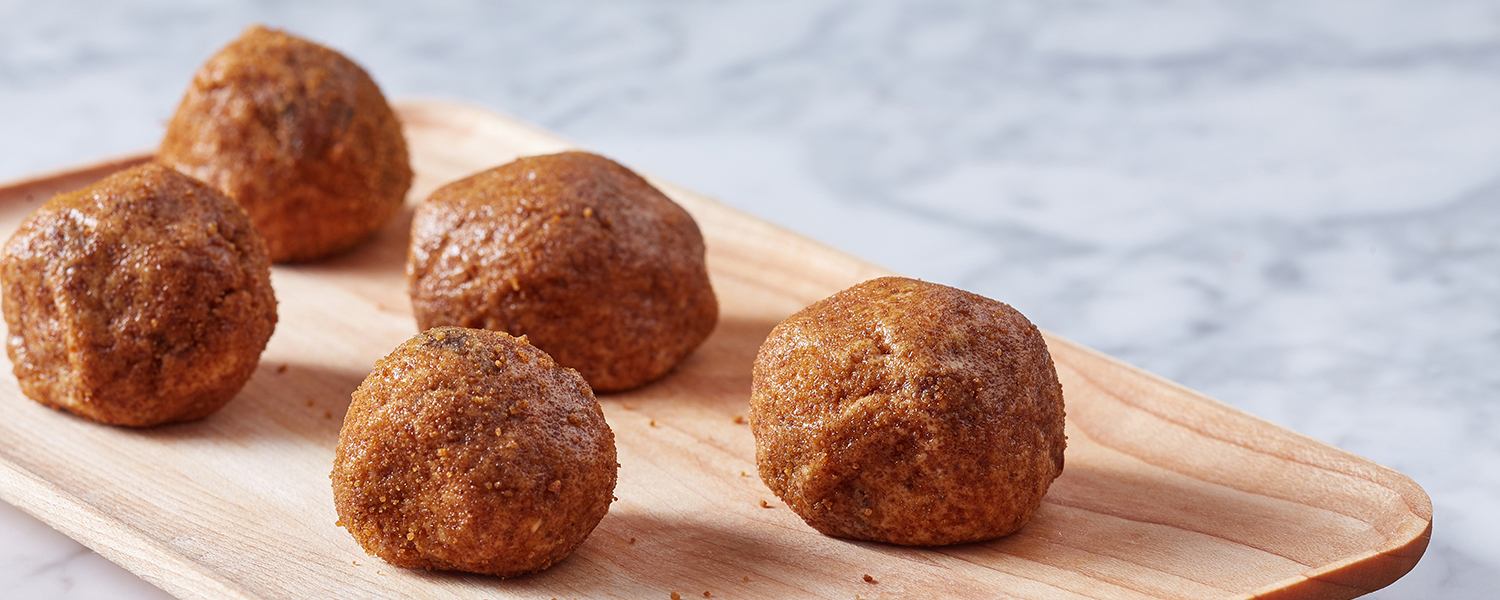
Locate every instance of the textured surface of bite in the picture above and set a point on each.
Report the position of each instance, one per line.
(472, 450)
(908, 412)
(143, 299)
(300, 136)
(579, 254)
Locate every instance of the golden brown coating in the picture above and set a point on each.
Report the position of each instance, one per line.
(142, 299)
(574, 251)
(908, 412)
(300, 136)
(472, 450)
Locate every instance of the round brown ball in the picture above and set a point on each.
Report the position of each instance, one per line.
(142, 299)
(908, 412)
(574, 251)
(472, 450)
(300, 136)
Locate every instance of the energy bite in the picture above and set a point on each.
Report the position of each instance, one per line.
(142, 299)
(579, 254)
(908, 412)
(472, 450)
(297, 134)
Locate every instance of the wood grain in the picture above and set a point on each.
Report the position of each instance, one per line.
(1167, 493)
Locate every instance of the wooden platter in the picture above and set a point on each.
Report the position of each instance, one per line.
(1167, 493)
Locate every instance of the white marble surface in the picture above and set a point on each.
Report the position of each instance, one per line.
(1293, 207)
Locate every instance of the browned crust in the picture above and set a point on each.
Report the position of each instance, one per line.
(471, 450)
(576, 252)
(297, 134)
(142, 299)
(908, 412)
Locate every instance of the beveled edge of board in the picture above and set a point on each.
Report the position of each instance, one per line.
(1353, 576)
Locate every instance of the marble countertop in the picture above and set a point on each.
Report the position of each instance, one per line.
(1292, 207)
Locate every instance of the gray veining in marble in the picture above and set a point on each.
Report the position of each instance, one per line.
(1293, 207)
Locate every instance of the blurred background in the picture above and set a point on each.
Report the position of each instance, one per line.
(1292, 207)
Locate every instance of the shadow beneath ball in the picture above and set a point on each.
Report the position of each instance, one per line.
(716, 374)
(283, 403)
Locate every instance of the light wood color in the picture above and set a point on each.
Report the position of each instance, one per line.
(1167, 493)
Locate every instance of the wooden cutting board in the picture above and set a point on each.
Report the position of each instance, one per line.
(1167, 493)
